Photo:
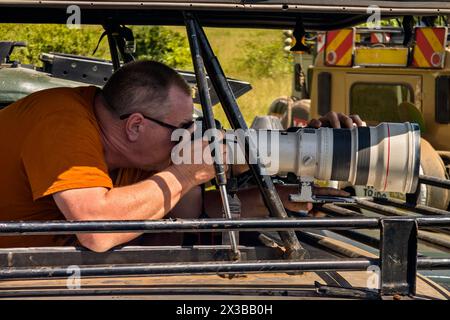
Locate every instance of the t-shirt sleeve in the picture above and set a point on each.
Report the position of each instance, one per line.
(64, 151)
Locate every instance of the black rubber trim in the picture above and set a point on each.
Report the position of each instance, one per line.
(342, 154)
(362, 169)
(442, 104)
(324, 98)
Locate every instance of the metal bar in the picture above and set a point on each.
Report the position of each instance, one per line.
(331, 208)
(210, 124)
(200, 225)
(412, 198)
(113, 51)
(423, 236)
(383, 209)
(191, 225)
(352, 293)
(433, 181)
(267, 266)
(192, 268)
(57, 256)
(427, 237)
(311, 7)
(330, 244)
(264, 182)
(398, 256)
(417, 208)
(360, 237)
(433, 264)
(273, 291)
(433, 221)
(433, 239)
(334, 210)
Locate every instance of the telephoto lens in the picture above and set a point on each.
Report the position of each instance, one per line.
(386, 157)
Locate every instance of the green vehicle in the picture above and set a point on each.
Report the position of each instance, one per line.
(66, 70)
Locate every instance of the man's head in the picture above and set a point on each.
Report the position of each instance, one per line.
(144, 101)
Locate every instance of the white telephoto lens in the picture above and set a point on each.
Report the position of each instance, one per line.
(386, 157)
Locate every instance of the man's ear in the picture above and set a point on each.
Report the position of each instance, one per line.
(134, 126)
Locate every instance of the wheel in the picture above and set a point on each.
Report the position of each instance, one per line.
(431, 164)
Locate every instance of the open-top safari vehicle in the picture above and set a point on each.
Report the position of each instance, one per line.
(285, 256)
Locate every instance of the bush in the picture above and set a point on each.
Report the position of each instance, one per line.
(163, 45)
(56, 38)
(265, 60)
(154, 43)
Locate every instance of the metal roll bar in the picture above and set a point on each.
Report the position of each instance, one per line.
(274, 266)
(265, 184)
(8, 228)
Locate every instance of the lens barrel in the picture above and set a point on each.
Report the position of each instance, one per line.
(386, 157)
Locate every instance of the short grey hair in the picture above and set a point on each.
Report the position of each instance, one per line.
(142, 86)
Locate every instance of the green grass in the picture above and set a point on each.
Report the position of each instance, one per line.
(233, 47)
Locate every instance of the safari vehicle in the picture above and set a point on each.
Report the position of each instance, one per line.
(287, 256)
(385, 74)
(68, 70)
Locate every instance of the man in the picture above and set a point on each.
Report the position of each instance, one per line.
(90, 154)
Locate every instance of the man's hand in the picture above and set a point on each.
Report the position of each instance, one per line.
(285, 191)
(202, 171)
(336, 120)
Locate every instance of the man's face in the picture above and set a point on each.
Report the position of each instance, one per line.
(155, 145)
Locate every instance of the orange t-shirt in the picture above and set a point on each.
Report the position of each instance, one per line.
(49, 142)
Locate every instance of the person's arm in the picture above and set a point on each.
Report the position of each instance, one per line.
(152, 198)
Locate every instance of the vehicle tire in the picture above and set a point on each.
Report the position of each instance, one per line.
(432, 165)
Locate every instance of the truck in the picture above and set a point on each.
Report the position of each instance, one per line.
(380, 75)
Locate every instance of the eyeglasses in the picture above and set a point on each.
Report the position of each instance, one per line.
(186, 125)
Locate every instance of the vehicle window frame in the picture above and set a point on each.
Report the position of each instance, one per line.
(404, 84)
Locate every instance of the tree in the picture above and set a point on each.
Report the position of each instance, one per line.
(154, 43)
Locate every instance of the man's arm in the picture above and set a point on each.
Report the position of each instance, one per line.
(152, 198)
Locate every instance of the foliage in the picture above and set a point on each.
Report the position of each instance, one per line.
(439, 21)
(163, 45)
(52, 38)
(155, 43)
(265, 60)
(234, 47)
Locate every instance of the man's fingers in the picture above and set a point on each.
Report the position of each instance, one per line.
(357, 120)
(315, 123)
(336, 120)
(332, 118)
(326, 191)
(346, 121)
